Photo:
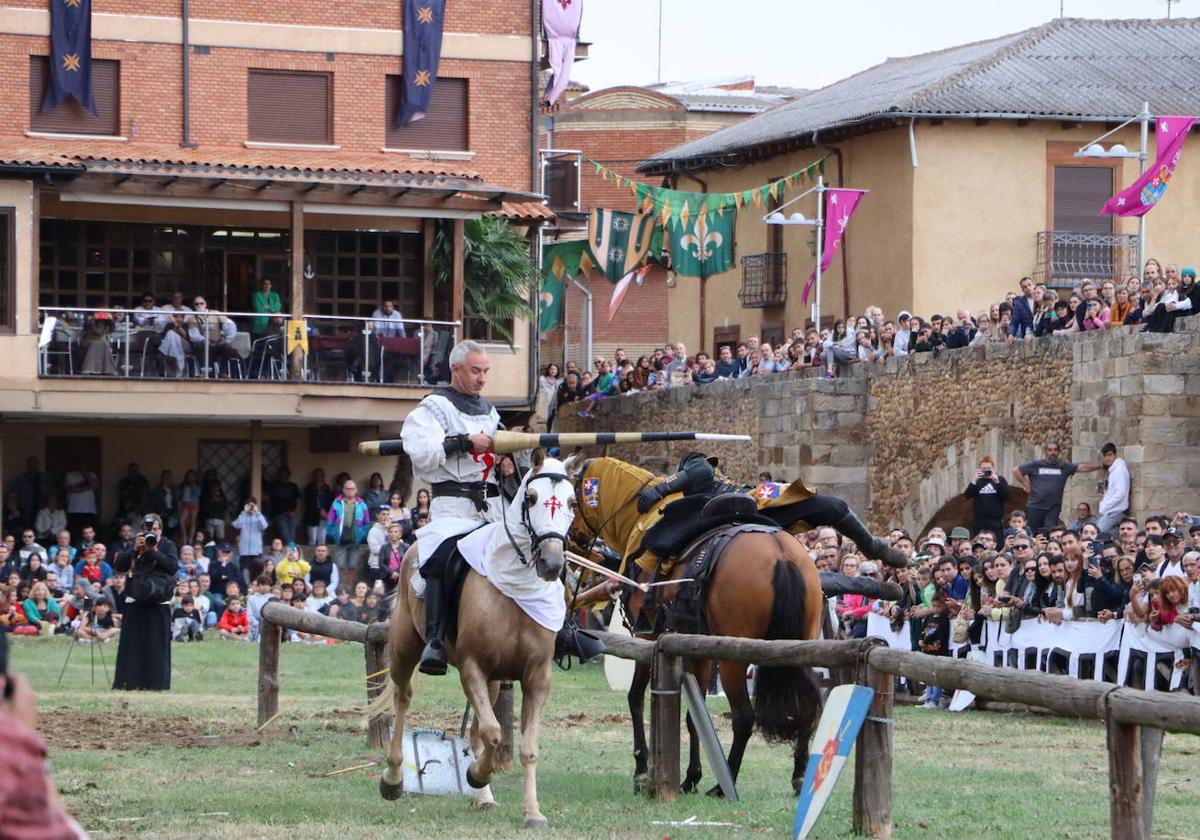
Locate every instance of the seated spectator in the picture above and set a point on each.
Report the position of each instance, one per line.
(63, 568)
(187, 622)
(92, 567)
(50, 521)
(234, 623)
(323, 568)
(254, 604)
(41, 610)
(29, 548)
(319, 598)
(293, 566)
(188, 565)
(98, 624)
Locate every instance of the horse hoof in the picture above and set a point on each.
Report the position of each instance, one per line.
(716, 791)
(490, 805)
(474, 781)
(390, 792)
(639, 784)
(536, 822)
(797, 784)
(688, 786)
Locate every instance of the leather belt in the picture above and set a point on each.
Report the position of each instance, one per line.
(477, 491)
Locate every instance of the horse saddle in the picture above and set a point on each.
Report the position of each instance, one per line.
(685, 520)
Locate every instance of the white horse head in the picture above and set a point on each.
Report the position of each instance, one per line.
(538, 518)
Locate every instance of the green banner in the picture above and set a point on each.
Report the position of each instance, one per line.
(702, 246)
(560, 262)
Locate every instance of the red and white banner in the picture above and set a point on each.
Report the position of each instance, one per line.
(839, 207)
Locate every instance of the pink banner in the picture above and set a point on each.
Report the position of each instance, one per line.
(1139, 198)
(839, 206)
(560, 19)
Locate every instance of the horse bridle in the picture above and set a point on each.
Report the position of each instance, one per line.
(536, 539)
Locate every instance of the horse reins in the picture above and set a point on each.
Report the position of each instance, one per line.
(536, 539)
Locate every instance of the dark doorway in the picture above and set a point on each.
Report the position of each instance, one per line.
(64, 454)
(240, 282)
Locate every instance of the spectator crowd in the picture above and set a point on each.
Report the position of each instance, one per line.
(1155, 303)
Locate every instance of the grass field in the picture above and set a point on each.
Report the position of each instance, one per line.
(188, 763)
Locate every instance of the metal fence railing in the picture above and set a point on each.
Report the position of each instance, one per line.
(1065, 257)
(186, 344)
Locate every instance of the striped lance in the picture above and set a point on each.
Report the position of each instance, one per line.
(505, 442)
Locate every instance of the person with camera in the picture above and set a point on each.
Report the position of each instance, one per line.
(987, 492)
(250, 524)
(144, 651)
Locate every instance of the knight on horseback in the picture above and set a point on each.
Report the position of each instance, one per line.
(698, 475)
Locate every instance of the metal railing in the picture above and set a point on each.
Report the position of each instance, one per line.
(764, 280)
(1065, 257)
(171, 344)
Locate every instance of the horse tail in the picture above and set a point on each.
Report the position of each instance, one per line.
(787, 701)
(383, 702)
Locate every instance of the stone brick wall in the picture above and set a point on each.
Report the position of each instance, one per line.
(901, 440)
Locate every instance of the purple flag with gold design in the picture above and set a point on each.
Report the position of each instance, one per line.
(422, 52)
(1139, 198)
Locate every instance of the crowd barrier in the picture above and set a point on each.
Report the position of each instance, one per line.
(1117, 652)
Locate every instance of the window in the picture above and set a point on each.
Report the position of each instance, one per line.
(69, 117)
(356, 270)
(290, 106)
(1079, 192)
(8, 265)
(560, 182)
(478, 329)
(445, 126)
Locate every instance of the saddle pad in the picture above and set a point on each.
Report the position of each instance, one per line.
(544, 603)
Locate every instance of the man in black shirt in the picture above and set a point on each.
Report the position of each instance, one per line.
(1044, 480)
(284, 496)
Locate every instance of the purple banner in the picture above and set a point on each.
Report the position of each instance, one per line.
(1139, 198)
(839, 206)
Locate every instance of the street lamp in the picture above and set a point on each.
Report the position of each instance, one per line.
(1095, 149)
(776, 217)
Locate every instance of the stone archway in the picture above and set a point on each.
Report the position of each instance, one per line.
(957, 511)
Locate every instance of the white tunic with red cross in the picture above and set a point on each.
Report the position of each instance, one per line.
(443, 414)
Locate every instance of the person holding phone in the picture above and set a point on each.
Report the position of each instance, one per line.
(988, 492)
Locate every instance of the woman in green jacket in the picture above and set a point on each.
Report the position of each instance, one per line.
(265, 301)
(41, 610)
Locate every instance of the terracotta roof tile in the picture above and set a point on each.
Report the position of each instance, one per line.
(523, 211)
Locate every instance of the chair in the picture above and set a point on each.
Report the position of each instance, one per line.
(267, 350)
(408, 348)
(328, 349)
(436, 359)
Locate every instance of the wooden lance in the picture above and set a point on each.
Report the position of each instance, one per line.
(505, 442)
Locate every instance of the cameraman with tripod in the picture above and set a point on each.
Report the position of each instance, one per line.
(144, 652)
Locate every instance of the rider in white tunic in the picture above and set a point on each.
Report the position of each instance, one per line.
(449, 439)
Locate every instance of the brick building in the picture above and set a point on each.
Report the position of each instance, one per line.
(248, 141)
(620, 127)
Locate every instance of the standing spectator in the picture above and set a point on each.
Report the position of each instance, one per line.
(81, 486)
(726, 367)
(391, 556)
(284, 499)
(1044, 481)
(214, 506)
(1121, 308)
(1175, 547)
(13, 520)
(133, 491)
(317, 498)
(165, 500)
(1021, 325)
(250, 524)
(377, 494)
(31, 488)
(267, 302)
(935, 641)
(377, 538)
(548, 384)
(50, 520)
(988, 492)
(189, 505)
(144, 650)
(346, 527)
(1083, 516)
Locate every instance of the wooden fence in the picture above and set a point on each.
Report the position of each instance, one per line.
(1135, 719)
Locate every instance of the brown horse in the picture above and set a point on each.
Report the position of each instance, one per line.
(496, 639)
(764, 586)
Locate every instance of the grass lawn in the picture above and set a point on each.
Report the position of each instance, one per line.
(188, 763)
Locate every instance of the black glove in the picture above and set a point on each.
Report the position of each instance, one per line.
(648, 497)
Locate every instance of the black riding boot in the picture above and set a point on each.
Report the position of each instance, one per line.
(433, 657)
(870, 545)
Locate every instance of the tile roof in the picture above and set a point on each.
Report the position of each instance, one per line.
(523, 211)
(1091, 69)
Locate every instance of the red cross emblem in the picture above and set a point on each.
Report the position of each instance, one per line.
(553, 505)
(488, 459)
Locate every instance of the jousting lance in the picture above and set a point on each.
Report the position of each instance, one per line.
(506, 442)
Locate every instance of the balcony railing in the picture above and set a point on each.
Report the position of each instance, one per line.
(170, 345)
(1064, 257)
(764, 280)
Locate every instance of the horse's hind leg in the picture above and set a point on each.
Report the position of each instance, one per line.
(701, 670)
(406, 650)
(535, 690)
(486, 728)
(484, 801)
(733, 679)
(637, 708)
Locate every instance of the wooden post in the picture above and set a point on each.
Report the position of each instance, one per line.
(269, 637)
(1151, 746)
(458, 276)
(873, 753)
(296, 362)
(427, 294)
(377, 660)
(1126, 816)
(664, 725)
(256, 475)
(503, 709)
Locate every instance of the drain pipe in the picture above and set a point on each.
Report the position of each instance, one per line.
(834, 150)
(187, 72)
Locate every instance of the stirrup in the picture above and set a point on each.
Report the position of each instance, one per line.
(433, 660)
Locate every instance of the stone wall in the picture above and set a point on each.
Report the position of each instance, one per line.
(900, 440)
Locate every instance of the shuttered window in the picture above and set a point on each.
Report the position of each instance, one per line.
(290, 106)
(445, 126)
(69, 117)
(1079, 193)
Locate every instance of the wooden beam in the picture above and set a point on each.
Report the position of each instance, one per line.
(401, 192)
(166, 182)
(1125, 816)
(458, 275)
(873, 757)
(310, 188)
(982, 121)
(429, 228)
(664, 725)
(218, 183)
(269, 637)
(256, 463)
(503, 710)
(378, 726)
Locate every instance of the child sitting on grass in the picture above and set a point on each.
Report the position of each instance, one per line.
(234, 623)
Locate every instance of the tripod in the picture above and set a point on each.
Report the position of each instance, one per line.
(95, 643)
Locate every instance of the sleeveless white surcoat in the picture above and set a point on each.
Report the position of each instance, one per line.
(424, 436)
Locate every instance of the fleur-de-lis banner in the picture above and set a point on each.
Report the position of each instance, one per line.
(70, 54)
(701, 245)
(422, 52)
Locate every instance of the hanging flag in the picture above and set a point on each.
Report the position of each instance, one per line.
(560, 22)
(622, 287)
(1140, 197)
(297, 335)
(839, 206)
(703, 245)
(70, 54)
(560, 262)
(618, 241)
(422, 52)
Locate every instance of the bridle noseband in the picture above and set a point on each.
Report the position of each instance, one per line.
(536, 539)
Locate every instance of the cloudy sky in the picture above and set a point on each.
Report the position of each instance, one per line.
(803, 43)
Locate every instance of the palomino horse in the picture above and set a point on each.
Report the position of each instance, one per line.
(496, 640)
(764, 586)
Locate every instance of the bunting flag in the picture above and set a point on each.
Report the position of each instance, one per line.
(622, 287)
(560, 22)
(701, 246)
(1139, 198)
(560, 262)
(422, 52)
(839, 207)
(70, 54)
(618, 241)
(666, 204)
